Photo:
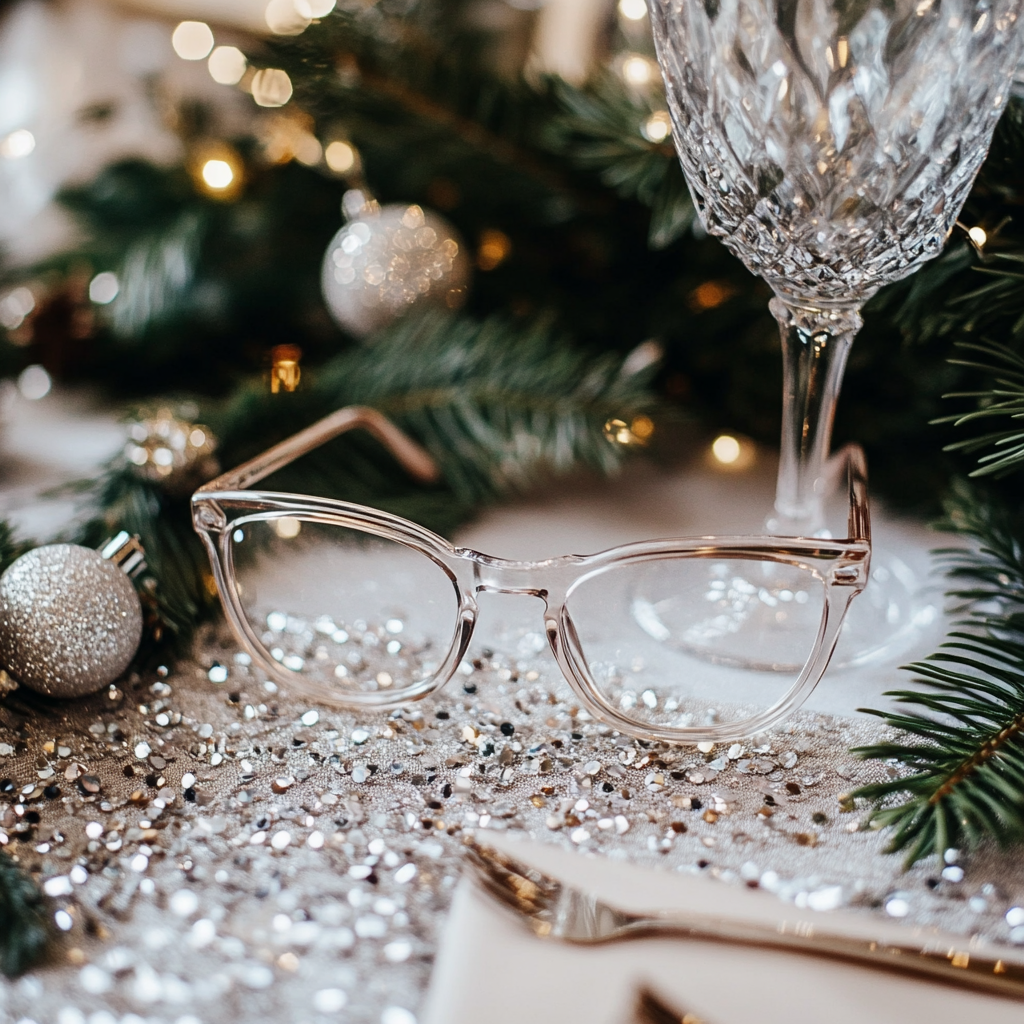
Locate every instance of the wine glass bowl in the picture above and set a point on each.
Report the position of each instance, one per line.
(830, 144)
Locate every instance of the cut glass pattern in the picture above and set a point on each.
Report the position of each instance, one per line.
(831, 145)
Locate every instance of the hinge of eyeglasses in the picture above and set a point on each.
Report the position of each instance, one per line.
(847, 575)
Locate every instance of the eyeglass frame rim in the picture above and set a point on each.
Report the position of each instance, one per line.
(848, 560)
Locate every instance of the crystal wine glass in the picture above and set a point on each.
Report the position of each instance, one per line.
(830, 144)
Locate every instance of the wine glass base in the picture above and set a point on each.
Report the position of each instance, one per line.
(768, 624)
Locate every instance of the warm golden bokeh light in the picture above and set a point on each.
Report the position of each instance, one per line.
(978, 236)
(642, 427)
(227, 65)
(288, 17)
(285, 370)
(192, 40)
(287, 527)
(637, 432)
(726, 449)
(633, 10)
(340, 157)
(657, 127)
(218, 174)
(732, 454)
(710, 295)
(494, 249)
(637, 70)
(17, 144)
(271, 87)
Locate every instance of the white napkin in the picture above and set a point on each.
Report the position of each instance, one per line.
(491, 968)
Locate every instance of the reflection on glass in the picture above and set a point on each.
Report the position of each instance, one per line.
(341, 608)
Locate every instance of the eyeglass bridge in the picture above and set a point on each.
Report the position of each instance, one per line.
(505, 576)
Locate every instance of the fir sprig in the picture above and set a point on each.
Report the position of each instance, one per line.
(24, 924)
(965, 749)
(963, 735)
(1002, 400)
(601, 129)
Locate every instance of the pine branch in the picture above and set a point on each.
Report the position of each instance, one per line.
(601, 129)
(963, 737)
(1002, 400)
(24, 923)
(964, 751)
(992, 569)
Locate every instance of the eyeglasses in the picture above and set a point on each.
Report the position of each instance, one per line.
(353, 607)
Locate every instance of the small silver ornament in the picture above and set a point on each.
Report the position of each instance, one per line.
(171, 451)
(386, 260)
(70, 620)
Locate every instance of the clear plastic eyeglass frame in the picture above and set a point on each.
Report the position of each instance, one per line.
(841, 566)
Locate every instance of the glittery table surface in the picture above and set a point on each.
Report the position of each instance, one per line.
(212, 855)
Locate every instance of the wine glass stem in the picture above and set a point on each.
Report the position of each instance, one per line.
(815, 343)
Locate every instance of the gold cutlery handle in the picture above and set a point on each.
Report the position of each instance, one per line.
(952, 964)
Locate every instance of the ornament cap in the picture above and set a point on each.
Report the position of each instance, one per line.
(126, 552)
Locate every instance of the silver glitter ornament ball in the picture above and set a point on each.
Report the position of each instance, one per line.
(387, 260)
(70, 621)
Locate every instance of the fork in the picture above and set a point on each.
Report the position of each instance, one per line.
(555, 910)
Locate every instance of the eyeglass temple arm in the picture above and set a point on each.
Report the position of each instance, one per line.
(413, 458)
(851, 459)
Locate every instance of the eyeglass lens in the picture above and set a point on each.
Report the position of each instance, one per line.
(341, 609)
(671, 642)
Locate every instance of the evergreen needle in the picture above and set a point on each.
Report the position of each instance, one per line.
(24, 922)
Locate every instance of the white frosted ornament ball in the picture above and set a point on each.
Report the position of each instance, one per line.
(70, 620)
(389, 259)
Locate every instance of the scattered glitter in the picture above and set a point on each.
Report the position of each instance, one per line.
(406, 873)
(184, 903)
(60, 885)
(372, 810)
(94, 980)
(329, 1000)
(398, 951)
(896, 906)
(397, 1015)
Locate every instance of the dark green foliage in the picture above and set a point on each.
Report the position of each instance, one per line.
(1003, 399)
(600, 130)
(962, 737)
(963, 745)
(204, 293)
(24, 922)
